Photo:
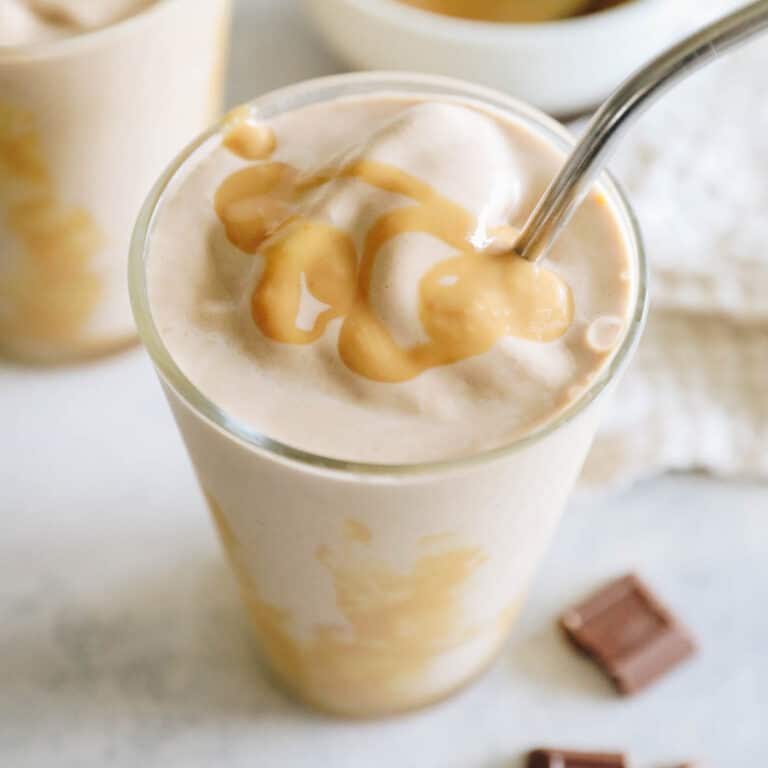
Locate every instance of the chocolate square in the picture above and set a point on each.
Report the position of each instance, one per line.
(565, 758)
(629, 633)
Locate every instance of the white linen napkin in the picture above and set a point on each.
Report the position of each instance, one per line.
(695, 169)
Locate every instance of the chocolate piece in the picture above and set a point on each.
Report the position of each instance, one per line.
(629, 633)
(564, 758)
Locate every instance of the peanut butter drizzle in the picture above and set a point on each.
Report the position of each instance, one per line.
(247, 138)
(467, 303)
(50, 294)
(396, 623)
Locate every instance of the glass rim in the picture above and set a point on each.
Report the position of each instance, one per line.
(262, 443)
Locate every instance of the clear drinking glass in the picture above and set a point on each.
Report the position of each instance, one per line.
(86, 125)
(373, 588)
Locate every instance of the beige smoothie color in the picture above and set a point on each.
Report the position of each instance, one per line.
(385, 410)
(94, 98)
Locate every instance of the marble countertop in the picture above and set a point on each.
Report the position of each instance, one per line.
(123, 643)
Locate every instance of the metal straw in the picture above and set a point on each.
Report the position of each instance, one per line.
(619, 111)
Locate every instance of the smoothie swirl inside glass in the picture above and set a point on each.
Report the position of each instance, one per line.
(385, 411)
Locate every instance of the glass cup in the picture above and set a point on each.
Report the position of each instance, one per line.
(86, 125)
(374, 588)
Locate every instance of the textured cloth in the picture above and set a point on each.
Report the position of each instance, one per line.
(696, 171)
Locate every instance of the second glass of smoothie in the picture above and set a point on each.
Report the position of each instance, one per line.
(94, 99)
(386, 412)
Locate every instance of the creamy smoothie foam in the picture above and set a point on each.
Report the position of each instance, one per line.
(344, 292)
(95, 95)
(334, 278)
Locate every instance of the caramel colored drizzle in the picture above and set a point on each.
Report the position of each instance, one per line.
(395, 622)
(50, 294)
(249, 140)
(467, 303)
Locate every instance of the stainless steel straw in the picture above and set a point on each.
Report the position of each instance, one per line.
(619, 111)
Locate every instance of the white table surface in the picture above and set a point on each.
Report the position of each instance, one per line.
(122, 641)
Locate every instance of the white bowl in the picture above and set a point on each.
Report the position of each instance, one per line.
(564, 67)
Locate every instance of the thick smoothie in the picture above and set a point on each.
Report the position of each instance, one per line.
(343, 290)
(94, 98)
(331, 282)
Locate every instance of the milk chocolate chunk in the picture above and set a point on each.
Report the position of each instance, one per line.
(564, 758)
(629, 633)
